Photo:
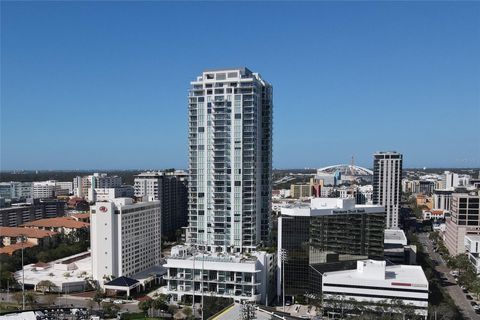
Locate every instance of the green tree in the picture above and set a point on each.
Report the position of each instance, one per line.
(98, 297)
(46, 285)
(31, 299)
(160, 304)
(475, 287)
(145, 306)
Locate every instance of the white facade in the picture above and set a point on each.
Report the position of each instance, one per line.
(15, 190)
(230, 160)
(329, 206)
(220, 274)
(125, 237)
(84, 187)
(454, 180)
(373, 282)
(387, 177)
(44, 189)
(472, 248)
(65, 185)
(106, 194)
(442, 199)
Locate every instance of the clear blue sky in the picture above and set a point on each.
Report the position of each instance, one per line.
(104, 84)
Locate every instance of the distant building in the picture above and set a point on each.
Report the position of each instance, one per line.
(12, 235)
(105, 194)
(298, 191)
(84, 187)
(170, 188)
(15, 190)
(387, 177)
(329, 234)
(426, 187)
(125, 238)
(454, 180)
(63, 225)
(442, 199)
(44, 189)
(464, 220)
(433, 214)
(374, 283)
(19, 214)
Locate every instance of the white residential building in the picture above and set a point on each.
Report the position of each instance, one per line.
(44, 189)
(125, 237)
(472, 248)
(230, 160)
(375, 283)
(226, 275)
(387, 183)
(106, 194)
(65, 185)
(170, 187)
(454, 180)
(84, 187)
(15, 190)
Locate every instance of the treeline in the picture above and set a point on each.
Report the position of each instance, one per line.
(30, 176)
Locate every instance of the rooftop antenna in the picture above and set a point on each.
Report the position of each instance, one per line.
(352, 165)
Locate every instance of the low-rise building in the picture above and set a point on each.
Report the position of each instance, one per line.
(63, 225)
(12, 235)
(69, 274)
(396, 248)
(241, 277)
(21, 213)
(373, 284)
(434, 214)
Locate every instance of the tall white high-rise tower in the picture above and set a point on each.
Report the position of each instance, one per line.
(387, 184)
(230, 160)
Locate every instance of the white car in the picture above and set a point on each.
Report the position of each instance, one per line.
(108, 300)
(118, 302)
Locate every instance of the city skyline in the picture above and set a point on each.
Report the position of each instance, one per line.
(102, 85)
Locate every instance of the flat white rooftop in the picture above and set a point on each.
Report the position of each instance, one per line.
(374, 271)
(61, 272)
(395, 236)
(329, 206)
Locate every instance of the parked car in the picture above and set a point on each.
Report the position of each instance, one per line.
(473, 303)
(469, 297)
(118, 301)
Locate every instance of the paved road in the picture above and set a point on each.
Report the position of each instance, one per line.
(72, 301)
(451, 287)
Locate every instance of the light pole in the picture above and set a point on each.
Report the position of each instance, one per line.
(23, 276)
(283, 256)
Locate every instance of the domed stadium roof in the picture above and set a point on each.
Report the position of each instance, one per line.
(346, 169)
